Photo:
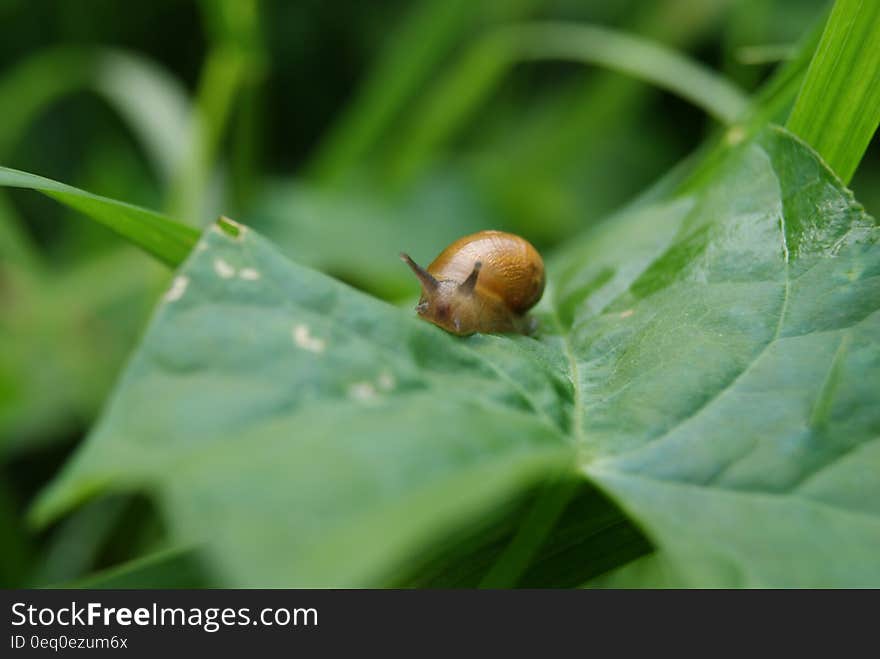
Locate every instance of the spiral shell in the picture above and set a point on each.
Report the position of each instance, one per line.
(484, 282)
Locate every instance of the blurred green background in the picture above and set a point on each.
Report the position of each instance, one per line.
(345, 131)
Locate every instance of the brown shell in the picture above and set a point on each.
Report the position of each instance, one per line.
(512, 269)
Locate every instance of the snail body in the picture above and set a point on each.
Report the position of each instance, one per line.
(484, 282)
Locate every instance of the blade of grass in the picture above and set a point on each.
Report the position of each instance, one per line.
(150, 101)
(531, 535)
(767, 53)
(574, 133)
(604, 101)
(246, 147)
(426, 36)
(443, 112)
(75, 544)
(153, 103)
(167, 240)
(31, 84)
(235, 58)
(177, 567)
(770, 104)
(411, 53)
(838, 108)
(775, 98)
(637, 57)
(25, 89)
(748, 22)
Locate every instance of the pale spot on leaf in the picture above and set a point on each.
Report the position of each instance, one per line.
(223, 269)
(303, 338)
(386, 381)
(177, 289)
(627, 313)
(249, 274)
(362, 391)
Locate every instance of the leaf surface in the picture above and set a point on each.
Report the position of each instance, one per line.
(730, 390)
(709, 360)
(271, 406)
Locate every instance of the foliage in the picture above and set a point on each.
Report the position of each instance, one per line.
(845, 69)
(698, 407)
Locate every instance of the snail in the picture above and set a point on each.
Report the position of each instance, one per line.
(484, 282)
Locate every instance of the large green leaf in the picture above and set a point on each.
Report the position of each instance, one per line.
(731, 386)
(710, 360)
(363, 420)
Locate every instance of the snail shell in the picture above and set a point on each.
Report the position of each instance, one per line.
(484, 282)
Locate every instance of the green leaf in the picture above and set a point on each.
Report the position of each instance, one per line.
(152, 102)
(335, 386)
(454, 98)
(838, 108)
(709, 360)
(731, 405)
(76, 543)
(112, 291)
(403, 65)
(162, 237)
(169, 568)
(590, 537)
(234, 60)
(634, 56)
(149, 100)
